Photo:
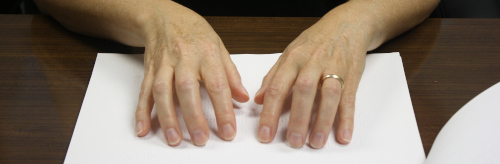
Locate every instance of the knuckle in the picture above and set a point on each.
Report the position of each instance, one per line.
(294, 51)
(269, 115)
(210, 48)
(304, 85)
(320, 52)
(291, 61)
(347, 118)
(266, 78)
(288, 61)
(180, 47)
(186, 84)
(161, 86)
(323, 124)
(195, 118)
(144, 94)
(275, 90)
(217, 86)
(358, 65)
(171, 119)
(206, 45)
(224, 116)
(141, 110)
(349, 102)
(300, 119)
(331, 90)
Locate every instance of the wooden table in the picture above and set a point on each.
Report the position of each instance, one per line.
(45, 70)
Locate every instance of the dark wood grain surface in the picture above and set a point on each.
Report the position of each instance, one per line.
(45, 70)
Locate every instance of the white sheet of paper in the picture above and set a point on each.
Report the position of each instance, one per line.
(472, 134)
(385, 125)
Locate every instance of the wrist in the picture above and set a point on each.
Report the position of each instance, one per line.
(355, 21)
(168, 19)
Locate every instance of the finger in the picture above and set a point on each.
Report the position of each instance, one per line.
(259, 96)
(217, 86)
(163, 96)
(331, 90)
(276, 93)
(346, 111)
(145, 105)
(304, 92)
(238, 92)
(187, 87)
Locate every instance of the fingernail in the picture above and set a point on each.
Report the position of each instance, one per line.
(244, 90)
(317, 140)
(265, 134)
(172, 136)
(347, 135)
(258, 92)
(138, 127)
(228, 132)
(295, 140)
(199, 138)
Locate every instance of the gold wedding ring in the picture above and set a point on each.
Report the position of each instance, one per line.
(335, 77)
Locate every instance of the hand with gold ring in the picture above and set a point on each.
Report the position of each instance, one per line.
(310, 64)
(333, 48)
(316, 61)
(335, 77)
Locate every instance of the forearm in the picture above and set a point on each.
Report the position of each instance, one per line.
(127, 21)
(379, 21)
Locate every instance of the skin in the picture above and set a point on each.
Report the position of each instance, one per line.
(183, 50)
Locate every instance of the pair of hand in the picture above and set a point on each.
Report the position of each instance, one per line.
(184, 50)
